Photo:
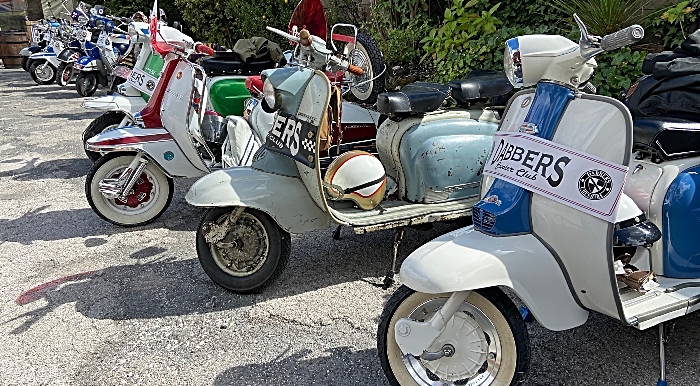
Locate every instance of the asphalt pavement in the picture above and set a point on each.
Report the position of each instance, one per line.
(84, 302)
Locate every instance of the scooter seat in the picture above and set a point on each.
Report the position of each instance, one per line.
(229, 63)
(414, 98)
(667, 138)
(480, 84)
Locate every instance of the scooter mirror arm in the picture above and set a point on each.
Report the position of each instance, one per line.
(589, 44)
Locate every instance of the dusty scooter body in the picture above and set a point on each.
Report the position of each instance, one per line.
(243, 243)
(555, 225)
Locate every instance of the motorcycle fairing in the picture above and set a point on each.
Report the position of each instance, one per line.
(244, 186)
(467, 259)
(156, 143)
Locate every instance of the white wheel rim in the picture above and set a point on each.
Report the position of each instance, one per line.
(141, 208)
(360, 58)
(250, 240)
(44, 72)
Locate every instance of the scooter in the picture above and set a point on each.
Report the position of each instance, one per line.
(176, 136)
(243, 241)
(569, 218)
(101, 64)
(38, 43)
(42, 65)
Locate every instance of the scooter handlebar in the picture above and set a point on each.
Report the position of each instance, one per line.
(283, 34)
(203, 49)
(621, 38)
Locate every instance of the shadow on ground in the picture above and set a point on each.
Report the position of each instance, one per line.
(58, 168)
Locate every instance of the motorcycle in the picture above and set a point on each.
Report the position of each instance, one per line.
(243, 241)
(575, 198)
(190, 140)
(101, 66)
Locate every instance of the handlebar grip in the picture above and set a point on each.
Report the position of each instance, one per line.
(305, 38)
(355, 70)
(621, 38)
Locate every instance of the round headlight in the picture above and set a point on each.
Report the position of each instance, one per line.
(271, 95)
(512, 63)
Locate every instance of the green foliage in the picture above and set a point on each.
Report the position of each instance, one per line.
(12, 22)
(603, 17)
(225, 21)
(617, 70)
(672, 26)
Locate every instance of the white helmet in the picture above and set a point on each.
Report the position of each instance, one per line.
(358, 176)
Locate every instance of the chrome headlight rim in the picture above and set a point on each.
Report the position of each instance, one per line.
(512, 63)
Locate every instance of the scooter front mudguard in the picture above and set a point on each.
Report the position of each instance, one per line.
(467, 259)
(284, 198)
(126, 104)
(29, 51)
(157, 144)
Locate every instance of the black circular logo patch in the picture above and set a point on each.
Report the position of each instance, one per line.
(150, 85)
(595, 185)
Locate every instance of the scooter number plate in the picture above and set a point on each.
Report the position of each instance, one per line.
(142, 81)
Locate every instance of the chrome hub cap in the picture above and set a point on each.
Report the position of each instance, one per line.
(244, 249)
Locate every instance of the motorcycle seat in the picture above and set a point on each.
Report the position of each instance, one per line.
(414, 98)
(667, 138)
(480, 84)
(229, 63)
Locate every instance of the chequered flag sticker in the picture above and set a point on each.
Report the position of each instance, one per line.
(309, 145)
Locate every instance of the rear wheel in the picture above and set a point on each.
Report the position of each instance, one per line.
(487, 338)
(104, 122)
(86, 84)
(251, 255)
(368, 57)
(146, 201)
(42, 72)
(64, 74)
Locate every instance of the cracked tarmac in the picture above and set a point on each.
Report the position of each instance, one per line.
(84, 302)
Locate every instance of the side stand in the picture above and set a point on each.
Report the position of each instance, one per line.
(389, 278)
(665, 330)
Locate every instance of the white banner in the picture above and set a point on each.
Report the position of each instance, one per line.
(569, 176)
(142, 81)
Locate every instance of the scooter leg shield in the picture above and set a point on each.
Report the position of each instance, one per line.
(467, 259)
(157, 144)
(285, 199)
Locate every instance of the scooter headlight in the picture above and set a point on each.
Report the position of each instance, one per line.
(271, 97)
(512, 63)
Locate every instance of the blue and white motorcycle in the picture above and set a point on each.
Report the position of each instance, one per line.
(581, 210)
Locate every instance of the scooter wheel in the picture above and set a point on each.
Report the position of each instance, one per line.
(64, 74)
(42, 74)
(496, 352)
(86, 84)
(252, 255)
(25, 63)
(147, 200)
(104, 122)
(369, 57)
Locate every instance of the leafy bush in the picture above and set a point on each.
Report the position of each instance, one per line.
(617, 71)
(673, 25)
(603, 17)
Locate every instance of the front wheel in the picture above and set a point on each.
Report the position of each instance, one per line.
(148, 198)
(26, 63)
(367, 55)
(86, 84)
(251, 255)
(487, 337)
(64, 74)
(42, 72)
(104, 122)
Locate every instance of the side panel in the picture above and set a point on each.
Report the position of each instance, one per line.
(227, 95)
(466, 259)
(129, 105)
(284, 198)
(681, 222)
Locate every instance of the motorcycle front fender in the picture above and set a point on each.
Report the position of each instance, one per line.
(29, 51)
(126, 104)
(467, 259)
(284, 198)
(156, 143)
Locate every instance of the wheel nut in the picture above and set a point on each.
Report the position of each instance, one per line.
(492, 355)
(403, 329)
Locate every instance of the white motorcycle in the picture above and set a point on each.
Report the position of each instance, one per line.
(556, 226)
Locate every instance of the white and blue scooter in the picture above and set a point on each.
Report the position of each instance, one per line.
(556, 226)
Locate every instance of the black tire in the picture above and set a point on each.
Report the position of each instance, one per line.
(372, 61)
(117, 81)
(25, 63)
(86, 84)
(106, 121)
(40, 74)
(64, 73)
(267, 271)
(105, 208)
(501, 311)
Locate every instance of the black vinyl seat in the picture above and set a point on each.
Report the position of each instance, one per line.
(414, 98)
(480, 84)
(229, 63)
(667, 138)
